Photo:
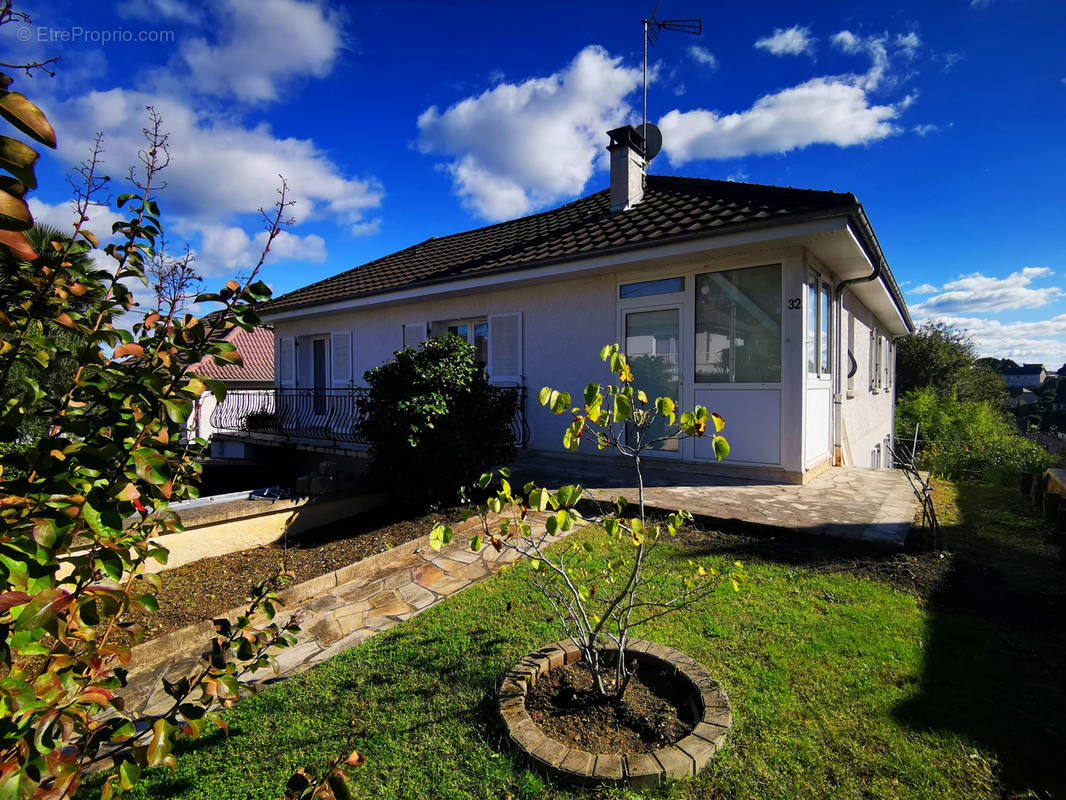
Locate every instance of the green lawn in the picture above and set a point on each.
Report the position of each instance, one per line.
(842, 687)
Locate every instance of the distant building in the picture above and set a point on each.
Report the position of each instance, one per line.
(1025, 375)
(1017, 397)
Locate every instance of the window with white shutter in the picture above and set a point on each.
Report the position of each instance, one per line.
(871, 365)
(341, 349)
(505, 348)
(414, 333)
(286, 361)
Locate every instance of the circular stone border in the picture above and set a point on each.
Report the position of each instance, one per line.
(685, 758)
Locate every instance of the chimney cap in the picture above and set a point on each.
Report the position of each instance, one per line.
(626, 136)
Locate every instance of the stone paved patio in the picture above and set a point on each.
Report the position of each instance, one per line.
(873, 505)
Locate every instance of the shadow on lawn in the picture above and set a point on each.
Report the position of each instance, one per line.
(995, 652)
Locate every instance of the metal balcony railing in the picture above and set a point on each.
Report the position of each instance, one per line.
(320, 415)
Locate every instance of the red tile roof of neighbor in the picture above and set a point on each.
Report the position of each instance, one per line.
(256, 348)
(673, 209)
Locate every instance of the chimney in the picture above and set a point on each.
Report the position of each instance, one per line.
(627, 168)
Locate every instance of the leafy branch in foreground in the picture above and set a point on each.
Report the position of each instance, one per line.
(598, 608)
(84, 498)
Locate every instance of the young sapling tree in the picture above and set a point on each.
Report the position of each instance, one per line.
(598, 609)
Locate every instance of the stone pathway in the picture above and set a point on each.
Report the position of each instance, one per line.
(336, 611)
(873, 505)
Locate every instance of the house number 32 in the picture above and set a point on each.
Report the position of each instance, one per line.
(793, 303)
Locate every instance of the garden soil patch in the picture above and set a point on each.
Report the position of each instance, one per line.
(653, 713)
(207, 588)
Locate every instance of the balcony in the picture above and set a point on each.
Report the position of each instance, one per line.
(318, 417)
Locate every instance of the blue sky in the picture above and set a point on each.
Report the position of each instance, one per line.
(394, 123)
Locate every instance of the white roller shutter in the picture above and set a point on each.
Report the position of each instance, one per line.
(341, 349)
(414, 333)
(286, 361)
(505, 348)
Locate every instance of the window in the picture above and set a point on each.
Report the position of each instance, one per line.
(738, 326)
(653, 339)
(877, 349)
(646, 288)
(812, 326)
(824, 339)
(887, 364)
(475, 331)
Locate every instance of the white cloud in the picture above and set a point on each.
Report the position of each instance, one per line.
(265, 45)
(925, 288)
(701, 55)
(181, 10)
(950, 60)
(792, 41)
(980, 3)
(820, 111)
(739, 175)
(978, 292)
(520, 146)
(679, 90)
(1039, 342)
(219, 170)
(876, 47)
(925, 130)
(61, 217)
(228, 250)
(908, 44)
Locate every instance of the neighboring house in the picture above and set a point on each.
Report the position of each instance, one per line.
(1025, 375)
(773, 306)
(1018, 397)
(254, 377)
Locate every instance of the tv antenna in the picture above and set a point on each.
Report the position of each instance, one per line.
(653, 27)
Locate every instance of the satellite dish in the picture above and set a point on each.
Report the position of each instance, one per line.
(653, 140)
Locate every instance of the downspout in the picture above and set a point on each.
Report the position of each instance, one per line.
(838, 388)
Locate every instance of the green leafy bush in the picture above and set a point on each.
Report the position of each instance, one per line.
(965, 439)
(433, 421)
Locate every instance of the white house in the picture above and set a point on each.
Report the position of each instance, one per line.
(773, 306)
(1027, 375)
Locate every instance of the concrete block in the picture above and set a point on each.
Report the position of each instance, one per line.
(303, 486)
(323, 484)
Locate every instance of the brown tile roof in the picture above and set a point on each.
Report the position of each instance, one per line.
(256, 348)
(672, 209)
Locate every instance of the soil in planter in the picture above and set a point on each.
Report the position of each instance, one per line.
(655, 712)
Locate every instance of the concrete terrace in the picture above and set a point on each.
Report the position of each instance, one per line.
(871, 505)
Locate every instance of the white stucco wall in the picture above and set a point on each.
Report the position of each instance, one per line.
(868, 414)
(565, 322)
(564, 325)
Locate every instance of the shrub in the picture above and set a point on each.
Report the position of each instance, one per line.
(965, 440)
(433, 421)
